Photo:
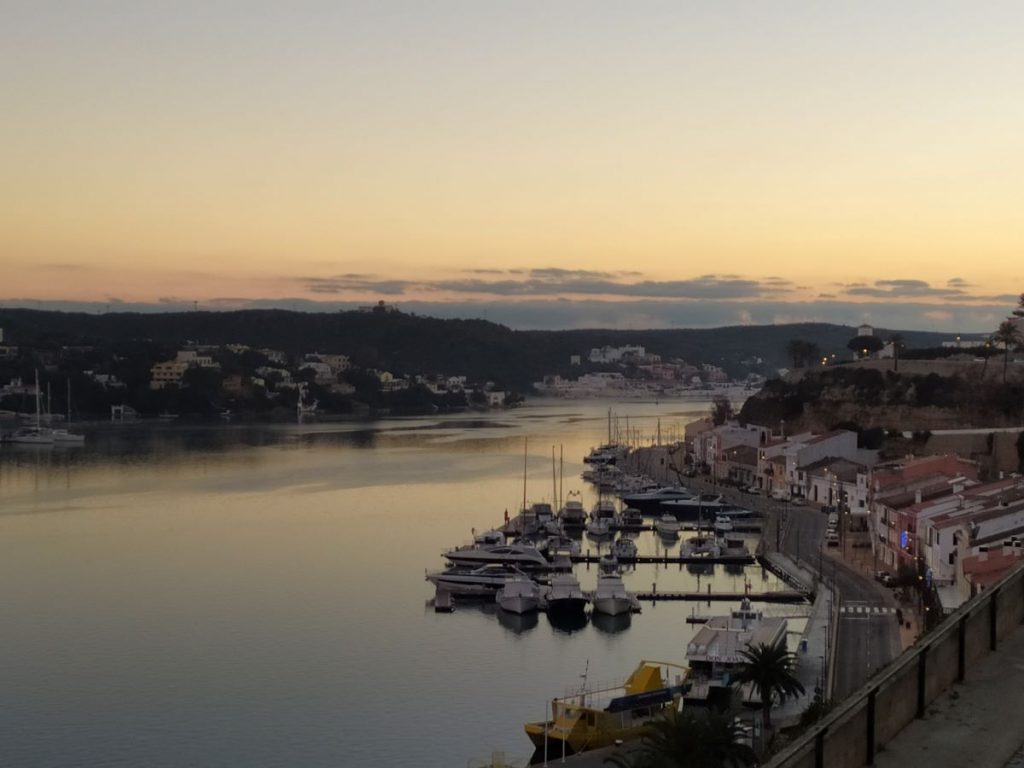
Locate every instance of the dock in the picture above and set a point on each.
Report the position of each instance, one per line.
(758, 597)
(673, 559)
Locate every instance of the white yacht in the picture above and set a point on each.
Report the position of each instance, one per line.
(573, 515)
(723, 524)
(493, 537)
(703, 507)
(481, 581)
(611, 597)
(624, 549)
(564, 595)
(632, 518)
(667, 525)
(520, 555)
(32, 436)
(650, 501)
(519, 594)
(598, 528)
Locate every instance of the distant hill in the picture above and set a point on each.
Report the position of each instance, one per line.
(408, 343)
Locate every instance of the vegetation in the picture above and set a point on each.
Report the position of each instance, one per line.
(1009, 337)
(865, 345)
(769, 669)
(803, 353)
(685, 739)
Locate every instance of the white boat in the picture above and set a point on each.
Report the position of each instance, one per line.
(520, 555)
(519, 594)
(573, 515)
(598, 528)
(632, 518)
(723, 524)
(624, 549)
(492, 537)
(37, 435)
(611, 597)
(564, 596)
(667, 525)
(703, 507)
(482, 581)
(650, 501)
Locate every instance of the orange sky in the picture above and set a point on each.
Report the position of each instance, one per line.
(208, 152)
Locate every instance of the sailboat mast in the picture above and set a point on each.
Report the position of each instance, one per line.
(609, 426)
(561, 476)
(524, 476)
(554, 480)
(69, 402)
(39, 415)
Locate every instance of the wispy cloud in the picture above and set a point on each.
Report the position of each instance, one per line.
(558, 282)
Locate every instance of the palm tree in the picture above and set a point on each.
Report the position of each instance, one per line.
(1007, 335)
(688, 740)
(769, 668)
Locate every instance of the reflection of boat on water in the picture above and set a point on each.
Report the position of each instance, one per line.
(701, 569)
(567, 622)
(611, 625)
(518, 623)
(591, 718)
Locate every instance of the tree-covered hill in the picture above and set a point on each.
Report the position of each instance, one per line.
(407, 343)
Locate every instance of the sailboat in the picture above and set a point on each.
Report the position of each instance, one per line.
(36, 435)
(64, 436)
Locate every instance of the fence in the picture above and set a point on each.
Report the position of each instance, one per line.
(850, 735)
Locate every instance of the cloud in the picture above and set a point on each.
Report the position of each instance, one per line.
(901, 289)
(958, 282)
(938, 315)
(557, 282)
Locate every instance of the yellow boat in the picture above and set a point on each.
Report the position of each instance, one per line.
(594, 718)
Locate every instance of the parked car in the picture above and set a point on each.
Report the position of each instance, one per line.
(798, 501)
(832, 539)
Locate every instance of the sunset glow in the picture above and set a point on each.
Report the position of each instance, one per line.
(807, 154)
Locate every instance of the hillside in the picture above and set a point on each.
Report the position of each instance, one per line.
(408, 343)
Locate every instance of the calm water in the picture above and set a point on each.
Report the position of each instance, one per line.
(255, 595)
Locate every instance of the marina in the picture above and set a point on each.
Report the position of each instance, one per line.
(265, 543)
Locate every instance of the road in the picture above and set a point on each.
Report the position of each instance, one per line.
(868, 635)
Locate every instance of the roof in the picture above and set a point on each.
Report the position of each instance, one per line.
(987, 568)
(828, 436)
(900, 500)
(723, 638)
(742, 454)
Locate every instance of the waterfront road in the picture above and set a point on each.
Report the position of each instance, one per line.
(868, 634)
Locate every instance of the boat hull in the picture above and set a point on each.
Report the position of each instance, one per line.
(567, 606)
(613, 606)
(518, 603)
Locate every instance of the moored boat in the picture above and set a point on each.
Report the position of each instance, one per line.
(519, 594)
(611, 597)
(591, 718)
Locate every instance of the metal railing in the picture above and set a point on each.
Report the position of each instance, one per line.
(900, 693)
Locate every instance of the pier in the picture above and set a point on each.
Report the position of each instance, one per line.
(786, 596)
(671, 559)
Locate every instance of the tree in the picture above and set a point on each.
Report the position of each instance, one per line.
(802, 353)
(685, 739)
(1007, 335)
(721, 410)
(769, 669)
(865, 345)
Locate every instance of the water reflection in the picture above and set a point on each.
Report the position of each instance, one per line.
(611, 625)
(517, 623)
(567, 623)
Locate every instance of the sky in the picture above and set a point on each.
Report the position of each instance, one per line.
(545, 165)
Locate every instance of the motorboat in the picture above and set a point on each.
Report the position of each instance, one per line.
(624, 549)
(519, 594)
(564, 596)
(64, 437)
(480, 581)
(611, 597)
(706, 507)
(602, 518)
(605, 454)
(667, 525)
(723, 524)
(520, 555)
(492, 537)
(731, 546)
(573, 515)
(608, 563)
(591, 718)
(632, 518)
(716, 652)
(649, 502)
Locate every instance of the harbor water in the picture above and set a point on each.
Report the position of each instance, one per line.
(254, 595)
